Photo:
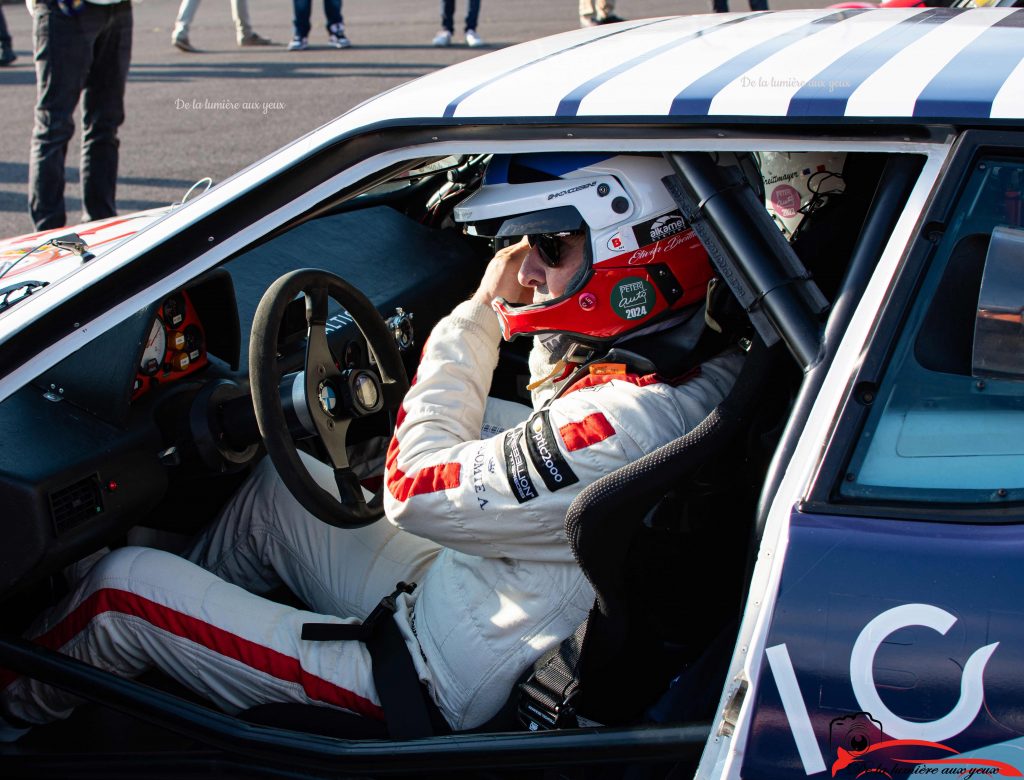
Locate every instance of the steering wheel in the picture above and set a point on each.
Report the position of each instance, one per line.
(330, 397)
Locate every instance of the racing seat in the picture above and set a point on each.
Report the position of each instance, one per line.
(638, 535)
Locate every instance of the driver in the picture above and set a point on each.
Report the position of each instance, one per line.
(476, 490)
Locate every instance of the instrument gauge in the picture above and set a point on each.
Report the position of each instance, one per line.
(153, 352)
(174, 311)
(193, 342)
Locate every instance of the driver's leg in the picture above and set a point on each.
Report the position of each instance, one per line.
(264, 537)
(139, 608)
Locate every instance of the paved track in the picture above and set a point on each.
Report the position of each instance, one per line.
(165, 148)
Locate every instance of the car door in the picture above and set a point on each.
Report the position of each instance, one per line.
(896, 639)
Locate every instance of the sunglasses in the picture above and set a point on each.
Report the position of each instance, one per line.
(549, 245)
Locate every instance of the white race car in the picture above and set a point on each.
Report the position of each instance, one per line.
(836, 589)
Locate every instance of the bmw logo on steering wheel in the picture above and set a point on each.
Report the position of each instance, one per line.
(328, 397)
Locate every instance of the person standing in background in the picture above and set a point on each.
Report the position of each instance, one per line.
(722, 6)
(7, 55)
(595, 12)
(81, 49)
(335, 25)
(239, 13)
(444, 36)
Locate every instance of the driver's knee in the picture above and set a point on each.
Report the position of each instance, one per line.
(235, 545)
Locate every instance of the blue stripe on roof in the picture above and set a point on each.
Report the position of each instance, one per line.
(970, 81)
(696, 98)
(570, 104)
(851, 70)
(451, 108)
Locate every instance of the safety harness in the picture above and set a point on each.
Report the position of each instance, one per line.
(409, 712)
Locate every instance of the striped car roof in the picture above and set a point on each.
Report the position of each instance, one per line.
(916, 64)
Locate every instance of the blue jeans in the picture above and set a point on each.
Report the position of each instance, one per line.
(86, 55)
(303, 9)
(448, 14)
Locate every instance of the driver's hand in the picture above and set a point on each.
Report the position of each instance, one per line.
(501, 279)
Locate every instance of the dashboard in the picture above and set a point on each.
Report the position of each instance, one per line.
(151, 422)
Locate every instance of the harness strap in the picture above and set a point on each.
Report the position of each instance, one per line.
(408, 710)
(546, 698)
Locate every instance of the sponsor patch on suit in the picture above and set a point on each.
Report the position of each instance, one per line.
(547, 458)
(516, 470)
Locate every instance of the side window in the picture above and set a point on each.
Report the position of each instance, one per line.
(940, 430)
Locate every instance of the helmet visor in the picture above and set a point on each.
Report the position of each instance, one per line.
(563, 219)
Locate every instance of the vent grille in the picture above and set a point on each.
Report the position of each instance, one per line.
(76, 503)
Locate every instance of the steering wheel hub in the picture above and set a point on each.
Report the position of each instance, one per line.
(328, 396)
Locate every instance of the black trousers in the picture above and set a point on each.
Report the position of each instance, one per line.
(5, 36)
(85, 55)
(722, 6)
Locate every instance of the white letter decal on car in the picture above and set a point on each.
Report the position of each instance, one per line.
(862, 676)
(796, 710)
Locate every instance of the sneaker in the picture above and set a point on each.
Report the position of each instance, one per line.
(298, 44)
(473, 40)
(610, 19)
(7, 56)
(337, 37)
(254, 39)
(588, 21)
(182, 42)
(443, 38)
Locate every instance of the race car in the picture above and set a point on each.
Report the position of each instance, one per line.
(826, 586)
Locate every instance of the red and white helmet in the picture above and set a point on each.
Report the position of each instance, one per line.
(642, 260)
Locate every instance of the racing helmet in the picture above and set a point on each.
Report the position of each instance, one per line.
(642, 261)
(798, 183)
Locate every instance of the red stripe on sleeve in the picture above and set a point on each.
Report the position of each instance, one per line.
(264, 659)
(430, 479)
(590, 430)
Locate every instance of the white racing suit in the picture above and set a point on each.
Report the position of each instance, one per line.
(478, 523)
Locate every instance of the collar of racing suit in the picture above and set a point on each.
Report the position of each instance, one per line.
(549, 349)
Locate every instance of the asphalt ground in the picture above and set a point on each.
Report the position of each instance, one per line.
(165, 148)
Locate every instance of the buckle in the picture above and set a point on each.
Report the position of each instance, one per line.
(359, 632)
(537, 716)
(387, 605)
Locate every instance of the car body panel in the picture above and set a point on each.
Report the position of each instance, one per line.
(857, 629)
(51, 264)
(808, 64)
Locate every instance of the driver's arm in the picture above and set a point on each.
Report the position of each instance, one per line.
(507, 496)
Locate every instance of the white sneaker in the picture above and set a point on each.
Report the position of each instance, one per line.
(298, 44)
(443, 38)
(473, 40)
(337, 37)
